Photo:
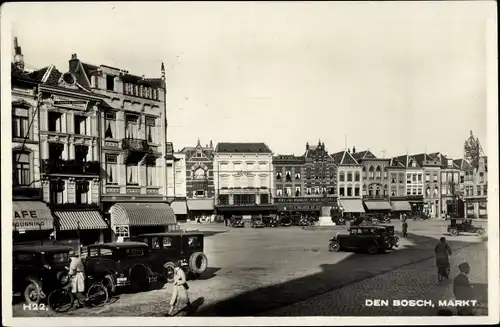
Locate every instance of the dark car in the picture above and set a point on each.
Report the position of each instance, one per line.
(285, 221)
(257, 222)
(185, 247)
(393, 238)
(372, 239)
(306, 221)
(38, 270)
(270, 221)
(237, 222)
(120, 264)
(464, 225)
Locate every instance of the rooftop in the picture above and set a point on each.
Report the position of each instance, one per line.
(225, 147)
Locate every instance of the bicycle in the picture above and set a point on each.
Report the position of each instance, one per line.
(61, 300)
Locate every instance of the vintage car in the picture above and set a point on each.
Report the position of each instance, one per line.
(463, 225)
(306, 221)
(257, 222)
(237, 222)
(285, 221)
(372, 239)
(185, 247)
(393, 238)
(270, 221)
(120, 264)
(37, 270)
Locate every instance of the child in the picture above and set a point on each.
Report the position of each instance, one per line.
(462, 289)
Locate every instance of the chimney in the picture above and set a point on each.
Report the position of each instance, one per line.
(353, 149)
(307, 146)
(211, 144)
(73, 63)
(162, 71)
(348, 150)
(18, 55)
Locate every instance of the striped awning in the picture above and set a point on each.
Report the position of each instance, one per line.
(179, 207)
(378, 205)
(352, 205)
(200, 205)
(142, 214)
(82, 219)
(31, 215)
(400, 206)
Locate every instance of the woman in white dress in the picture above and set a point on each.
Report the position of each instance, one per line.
(180, 298)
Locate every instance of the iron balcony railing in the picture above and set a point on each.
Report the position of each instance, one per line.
(70, 167)
(135, 145)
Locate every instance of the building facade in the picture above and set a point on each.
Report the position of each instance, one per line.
(414, 185)
(243, 178)
(476, 190)
(200, 188)
(176, 182)
(133, 145)
(451, 196)
(349, 183)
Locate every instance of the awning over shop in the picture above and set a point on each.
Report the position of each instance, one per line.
(352, 205)
(179, 207)
(378, 205)
(142, 214)
(200, 205)
(400, 206)
(31, 215)
(82, 219)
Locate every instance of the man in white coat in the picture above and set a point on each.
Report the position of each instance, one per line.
(77, 275)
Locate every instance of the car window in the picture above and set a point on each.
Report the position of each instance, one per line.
(94, 252)
(155, 242)
(368, 231)
(167, 242)
(134, 252)
(354, 231)
(59, 257)
(25, 257)
(194, 241)
(106, 252)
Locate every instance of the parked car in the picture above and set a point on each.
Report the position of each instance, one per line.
(464, 225)
(393, 239)
(257, 222)
(285, 221)
(120, 264)
(306, 221)
(237, 222)
(37, 270)
(185, 247)
(372, 239)
(270, 221)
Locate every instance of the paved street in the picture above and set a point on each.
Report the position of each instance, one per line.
(254, 271)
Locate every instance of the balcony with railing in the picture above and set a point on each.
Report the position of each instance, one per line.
(135, 145)
(70, 167)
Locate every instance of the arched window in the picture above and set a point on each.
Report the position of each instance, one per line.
(428, 191)
(356, 176)
(342, 176)
(199, 173)
(436, 191)
(378, 172)
(370, 172)
(364, 172)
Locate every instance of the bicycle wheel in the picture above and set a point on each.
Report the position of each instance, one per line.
(97, 295)
(60, 300)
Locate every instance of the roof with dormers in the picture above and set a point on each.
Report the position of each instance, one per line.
(227, 147)
(316, 151)
(406, 160)
(363, 155)
(191, 151)
(344, 158)
(394, 163)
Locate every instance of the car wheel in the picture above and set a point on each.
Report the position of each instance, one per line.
(169, 272)
(334, 246)
(198, 263)
(480, 232)
(33, 291)
(454, 232)
(109, 282)
(372, 248)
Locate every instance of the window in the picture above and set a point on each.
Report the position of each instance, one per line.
(443, 177)
(364, 172)
(279, 192)
(54, 121)
(150, 171)
(427, 177)
(55, 151)
(167, 242)
(419, 191)
(237, 166)
(80, 125)
(408, 191)
(342, 176)
(462, 179)
(194, 241)
(81, 152)
(428, 191)
(250, 166)
(370, 172)
(485, 189)
(262, 166)
(106, 252)
(131, 126)
(436, 191)
(110, 83)
(393, 193)
(401, 178)
(435, 178)
(342, 191)
(288, 176)
(385, 174)
(150, 129)
(278, 176)
(223, 199)
(110, 125)
(93, 252)
(264, 199)
(414, 178)
(122, 231)
(154, 95)
(378, 172)
(308, 191)
(419, 178)
(288, 191)
(56, 191)
(21, 169)
(481, 177)
(393, 178)
(478, 190)
(349, 177)
(134, 252)
(357, 176)
(297, 175)
(20, 122)
(356, 191)
(81, 192)
(408, 178)
(111, 169)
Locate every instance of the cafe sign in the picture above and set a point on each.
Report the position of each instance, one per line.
(70, 103)
(27, 218)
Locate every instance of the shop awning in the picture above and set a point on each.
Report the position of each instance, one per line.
(83, 220)
(352, 205)
(400, 206)
(31, 215)
(142, 214)
(200, 205)
(179, 207)
(378, 205)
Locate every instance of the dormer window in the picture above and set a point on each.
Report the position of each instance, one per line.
(110, 83)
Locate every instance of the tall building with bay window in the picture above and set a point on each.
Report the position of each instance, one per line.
(476, 189)
(132, 130)
(243, 178)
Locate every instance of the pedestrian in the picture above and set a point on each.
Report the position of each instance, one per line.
(405, 228)
(462, 289)
(180, 299)
(443, 252)
(400, 217)
(77, 276)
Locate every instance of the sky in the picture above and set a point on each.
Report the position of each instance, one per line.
(389, 77)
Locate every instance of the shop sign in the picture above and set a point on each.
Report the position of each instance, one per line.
(25, 214)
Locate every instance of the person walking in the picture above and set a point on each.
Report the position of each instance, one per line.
(77, 277)
(462, 289)
(443, 252)
(180, 298)
(405, 228)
